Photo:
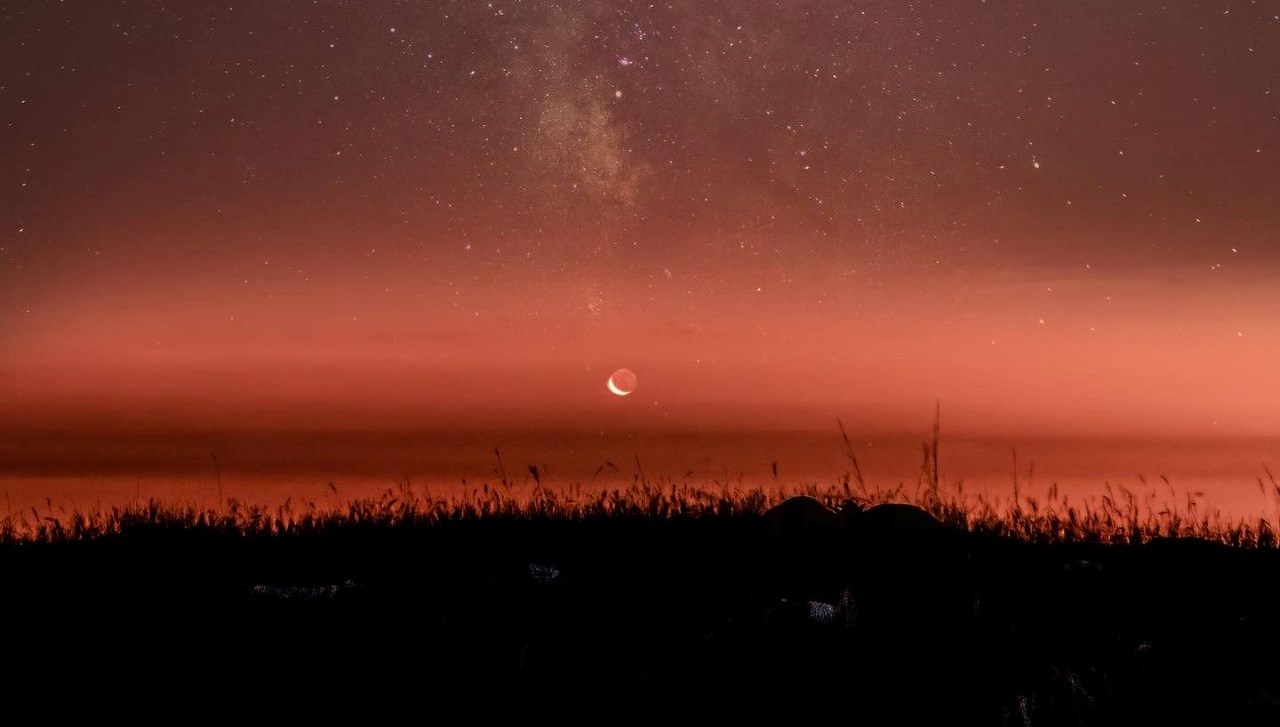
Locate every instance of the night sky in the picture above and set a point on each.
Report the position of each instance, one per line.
(238, 222)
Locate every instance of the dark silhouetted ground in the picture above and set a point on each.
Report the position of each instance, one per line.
(633, 611)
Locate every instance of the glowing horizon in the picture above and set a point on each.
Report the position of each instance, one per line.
(287, 219)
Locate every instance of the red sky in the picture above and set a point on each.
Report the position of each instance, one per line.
(451, 221)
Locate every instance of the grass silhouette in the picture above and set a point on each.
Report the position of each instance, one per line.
(1118, 515)
(1037, 609)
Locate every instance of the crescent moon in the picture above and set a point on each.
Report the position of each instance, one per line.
(614, 388)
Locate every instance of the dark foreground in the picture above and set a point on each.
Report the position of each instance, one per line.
(627, 616)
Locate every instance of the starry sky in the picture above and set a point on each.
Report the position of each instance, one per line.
(449, 221)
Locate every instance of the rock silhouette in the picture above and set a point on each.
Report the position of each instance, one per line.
(801, 517)
(806, 539)
(897, 518)
(886, 578)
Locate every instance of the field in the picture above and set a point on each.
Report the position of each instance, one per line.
(652, 598)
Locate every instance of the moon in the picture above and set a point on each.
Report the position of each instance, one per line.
(622, 382)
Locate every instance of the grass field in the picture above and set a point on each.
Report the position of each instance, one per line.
(1117, 515)
(657, 596)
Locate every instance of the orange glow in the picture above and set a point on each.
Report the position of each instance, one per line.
(388, 254)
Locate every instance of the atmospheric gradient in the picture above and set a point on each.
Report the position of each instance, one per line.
(313, 242)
